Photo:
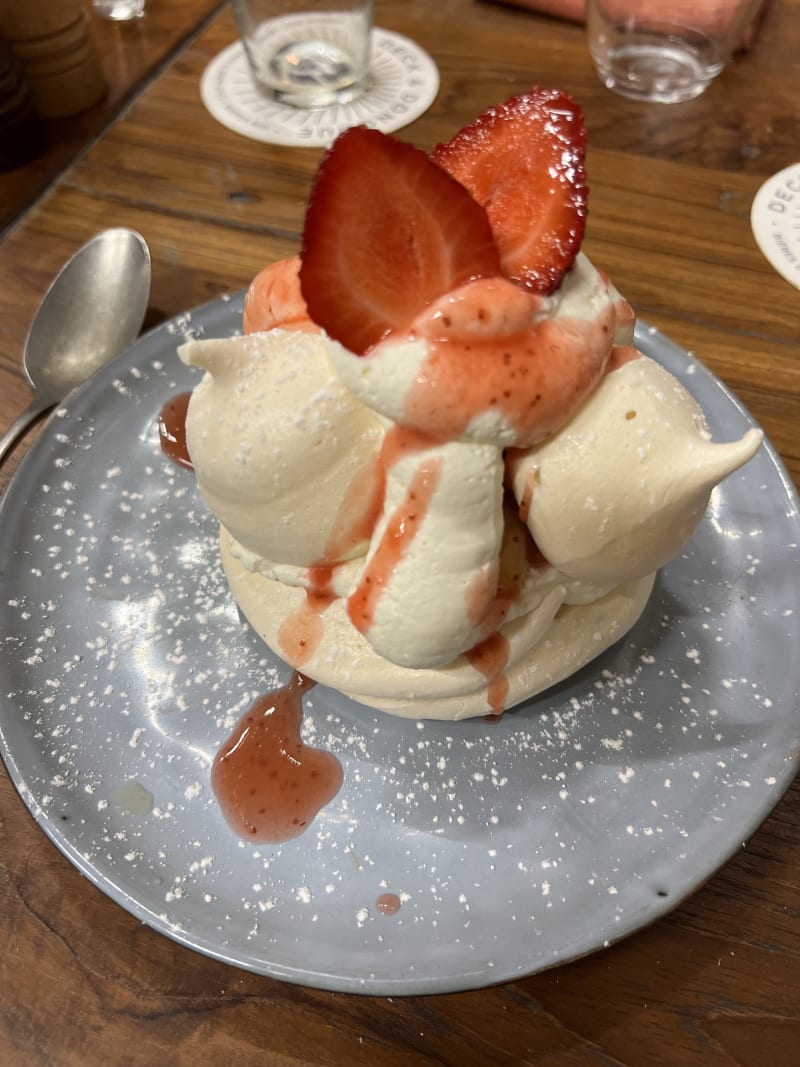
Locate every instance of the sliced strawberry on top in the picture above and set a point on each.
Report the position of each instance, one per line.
(524, 161)
(386, 233)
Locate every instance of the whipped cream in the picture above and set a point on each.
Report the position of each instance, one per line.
(618, 492)
(285, 455)
(492, 363)
(466, 514)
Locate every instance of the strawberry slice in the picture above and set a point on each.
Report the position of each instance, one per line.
(386, 233)
(524, 161)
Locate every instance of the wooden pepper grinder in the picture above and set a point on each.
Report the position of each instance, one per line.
(20, 127)
(51, 38)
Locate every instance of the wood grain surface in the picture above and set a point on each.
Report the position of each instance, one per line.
(714, 984)
(130, 53)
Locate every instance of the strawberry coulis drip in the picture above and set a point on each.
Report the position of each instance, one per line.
(269, 784)
(519, 555)
(485, 353)
(490, 658)
(397, 537)
(402, 441)
(172, 430)
(480, 594)
(526, 500)
(402, 527)
(359, 511)
(302, 631)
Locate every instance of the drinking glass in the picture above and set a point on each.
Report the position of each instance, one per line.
(307, 53)
(119, 10)
(664, 50)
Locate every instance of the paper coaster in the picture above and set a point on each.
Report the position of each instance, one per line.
(775, 219)
(403, 83)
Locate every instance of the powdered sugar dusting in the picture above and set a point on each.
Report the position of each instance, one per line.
(510, 844)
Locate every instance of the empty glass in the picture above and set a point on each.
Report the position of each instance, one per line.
(119, 10)
(307, 53)
(664, 50)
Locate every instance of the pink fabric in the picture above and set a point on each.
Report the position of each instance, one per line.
(563, 9)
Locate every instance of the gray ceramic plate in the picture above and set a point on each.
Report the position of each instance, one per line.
(513, 846)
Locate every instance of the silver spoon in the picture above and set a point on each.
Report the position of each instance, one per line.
(92, 311)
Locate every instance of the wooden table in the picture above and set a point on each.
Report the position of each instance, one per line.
(716, 982)
(131, 53)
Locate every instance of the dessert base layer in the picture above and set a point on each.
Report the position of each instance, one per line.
(544, 648)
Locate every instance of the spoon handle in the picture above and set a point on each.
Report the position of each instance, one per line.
(37, 407)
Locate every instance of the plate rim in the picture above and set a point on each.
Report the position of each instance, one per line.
(219, 310)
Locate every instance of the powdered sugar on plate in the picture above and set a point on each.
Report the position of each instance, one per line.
(454, 854)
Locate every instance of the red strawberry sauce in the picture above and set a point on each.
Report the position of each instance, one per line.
(269, 783)
(302, 631)
(400, 531)
(172, 429)
(490, 658)
(388, 903)
(485, 353)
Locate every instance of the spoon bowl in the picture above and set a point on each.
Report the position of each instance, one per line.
(92, 311)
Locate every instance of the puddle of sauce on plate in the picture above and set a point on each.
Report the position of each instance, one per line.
(269, 783)
(388, 903)
(172, 430)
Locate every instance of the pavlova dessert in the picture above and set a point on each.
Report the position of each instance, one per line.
(445, 478)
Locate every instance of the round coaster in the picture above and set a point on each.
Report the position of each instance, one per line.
(403, 82)
(775, 219)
